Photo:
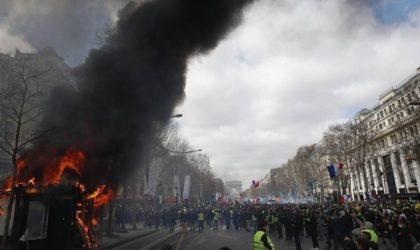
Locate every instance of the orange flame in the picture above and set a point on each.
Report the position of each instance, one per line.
(21, 163)
(101, 195)
(7, 185)
(82, 188)
(89, 238)
(52, 174)
(73, 158)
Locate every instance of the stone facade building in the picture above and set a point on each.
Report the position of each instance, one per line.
(393, 127)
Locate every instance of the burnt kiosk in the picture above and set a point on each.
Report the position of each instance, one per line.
(49, 218)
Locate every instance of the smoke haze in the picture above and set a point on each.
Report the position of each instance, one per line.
(137, 78)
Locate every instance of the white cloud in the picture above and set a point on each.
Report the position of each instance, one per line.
(10, 43)
(287, 72)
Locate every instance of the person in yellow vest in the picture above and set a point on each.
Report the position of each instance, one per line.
(270, 219)
(261, 240)
(368, 228)
(216, 217)
(200, 221)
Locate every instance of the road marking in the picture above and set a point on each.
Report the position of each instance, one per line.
(179, 242)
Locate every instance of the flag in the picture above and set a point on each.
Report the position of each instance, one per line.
(255, 184)
(335, 169)
(332, 171)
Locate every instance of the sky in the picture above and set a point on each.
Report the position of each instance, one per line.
(274, 84)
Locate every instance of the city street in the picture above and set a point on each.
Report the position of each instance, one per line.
(213, 240)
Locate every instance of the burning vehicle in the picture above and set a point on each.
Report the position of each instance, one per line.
(57, 215)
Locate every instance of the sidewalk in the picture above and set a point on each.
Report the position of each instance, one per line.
(118, 238)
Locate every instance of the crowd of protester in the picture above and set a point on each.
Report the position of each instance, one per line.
(389, 224)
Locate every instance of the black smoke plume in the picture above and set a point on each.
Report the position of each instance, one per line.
(136, 78)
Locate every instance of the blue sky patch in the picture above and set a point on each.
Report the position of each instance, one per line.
(393, 11)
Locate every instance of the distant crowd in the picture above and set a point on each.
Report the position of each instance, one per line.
(350, 226)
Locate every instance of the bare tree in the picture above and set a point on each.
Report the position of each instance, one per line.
(22, 96)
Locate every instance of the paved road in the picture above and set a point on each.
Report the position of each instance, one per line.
(145, 241)
(236, 240)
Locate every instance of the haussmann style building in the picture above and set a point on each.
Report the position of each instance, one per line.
(394, 126)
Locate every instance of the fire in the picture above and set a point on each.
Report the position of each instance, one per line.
(89, 237)
(54, 170)
(32, 181)
(31, 186)
(101, 196)
(7, 185)
(82, 188)
(21, 163)
(73, 158)
(98, 191)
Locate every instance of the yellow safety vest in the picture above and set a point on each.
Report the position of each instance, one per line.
(216, 216)
(257, 244)
(373, 235)
(200, 216)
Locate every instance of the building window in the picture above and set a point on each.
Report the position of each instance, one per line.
(394, 139)
(399, 168)
(401, 136)
(378, 171)
(411, 171)
(411, 131)
(382, 143)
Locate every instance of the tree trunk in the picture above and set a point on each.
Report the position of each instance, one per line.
(9, 207)
(7, 222)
